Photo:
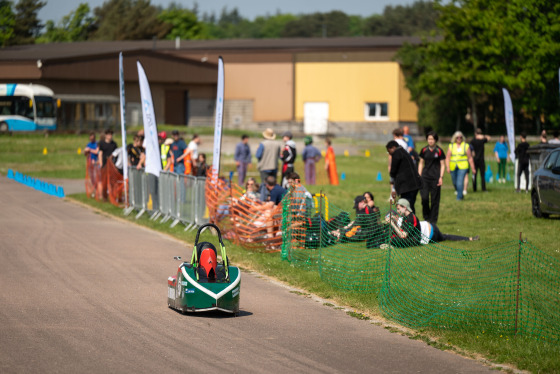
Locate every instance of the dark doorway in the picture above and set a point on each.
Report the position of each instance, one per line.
(176, 107)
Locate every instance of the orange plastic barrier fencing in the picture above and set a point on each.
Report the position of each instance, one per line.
(105, 183)
(247, 222)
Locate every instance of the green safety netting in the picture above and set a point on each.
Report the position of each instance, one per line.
(510, 288)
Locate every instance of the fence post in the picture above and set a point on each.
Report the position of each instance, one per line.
(388, 268)
(143, 190)
(130, 186)
(321, 234)
(518, 281)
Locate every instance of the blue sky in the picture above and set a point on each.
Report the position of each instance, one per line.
(56, 9)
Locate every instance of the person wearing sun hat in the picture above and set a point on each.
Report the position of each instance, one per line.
(311, 155)
(268, 154)
(409, 231)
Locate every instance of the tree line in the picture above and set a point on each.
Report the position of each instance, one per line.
(140, 20)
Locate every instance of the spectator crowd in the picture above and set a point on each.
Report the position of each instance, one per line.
(411, 173)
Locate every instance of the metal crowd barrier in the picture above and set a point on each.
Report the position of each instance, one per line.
(171, 196)
(166, 194)
(135, 191)
(201, 214)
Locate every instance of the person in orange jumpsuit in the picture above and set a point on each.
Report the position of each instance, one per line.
(330, 164)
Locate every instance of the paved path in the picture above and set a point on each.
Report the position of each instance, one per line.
(81, 292)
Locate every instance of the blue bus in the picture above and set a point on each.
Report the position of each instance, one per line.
(27, 107)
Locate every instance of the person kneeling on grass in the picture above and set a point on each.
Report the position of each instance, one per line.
(410, 231)
(364, 228)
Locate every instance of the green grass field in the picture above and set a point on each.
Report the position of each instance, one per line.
(498, 216)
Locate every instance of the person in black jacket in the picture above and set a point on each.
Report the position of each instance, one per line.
(431, 168)
(405, 180)
(522, 162)
(288, 157)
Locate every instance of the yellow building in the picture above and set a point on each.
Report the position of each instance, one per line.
(358, 91)
(347, 86)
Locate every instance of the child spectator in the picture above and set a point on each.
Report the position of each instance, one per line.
(92, 149)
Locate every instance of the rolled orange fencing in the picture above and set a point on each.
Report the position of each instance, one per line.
(248, 222)
(105, 183)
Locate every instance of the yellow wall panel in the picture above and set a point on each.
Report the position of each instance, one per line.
(347, 86)
(408, 108)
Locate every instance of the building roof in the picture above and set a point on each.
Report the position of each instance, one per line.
(56, 51)
(91, 65)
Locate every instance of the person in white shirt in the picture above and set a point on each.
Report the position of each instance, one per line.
(556, 140)
(192, 149)
(410, 231)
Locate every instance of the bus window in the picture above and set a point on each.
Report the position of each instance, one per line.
(6, 106)
(45, 107)
(22, 107)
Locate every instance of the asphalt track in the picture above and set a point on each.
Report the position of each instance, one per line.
(82, 292)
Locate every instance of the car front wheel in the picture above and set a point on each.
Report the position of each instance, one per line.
(537, 212)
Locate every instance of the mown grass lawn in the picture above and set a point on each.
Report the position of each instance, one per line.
(498, 216)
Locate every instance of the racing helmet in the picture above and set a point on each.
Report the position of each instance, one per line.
(207, 259)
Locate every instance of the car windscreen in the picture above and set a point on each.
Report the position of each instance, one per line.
(552, 160)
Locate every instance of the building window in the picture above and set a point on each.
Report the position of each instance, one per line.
(376, 112)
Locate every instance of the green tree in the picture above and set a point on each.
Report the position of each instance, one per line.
(74, 27)
(128, 20)
(231, 25)
(483, 46)
(356, 25)
(332, 24)
(183, 23)
(418, 18)
(403, 20)
(7, 22)
(272, 26)
(27, 25)
(228, 24)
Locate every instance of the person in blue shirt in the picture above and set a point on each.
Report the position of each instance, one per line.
(275, 191)
(501, 152)
(310, 157)
(408, 139)
(242, 158)
(91, 150)
(178, 148)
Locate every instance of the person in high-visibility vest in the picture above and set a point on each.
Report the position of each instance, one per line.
(457, 162)
(166, 155)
